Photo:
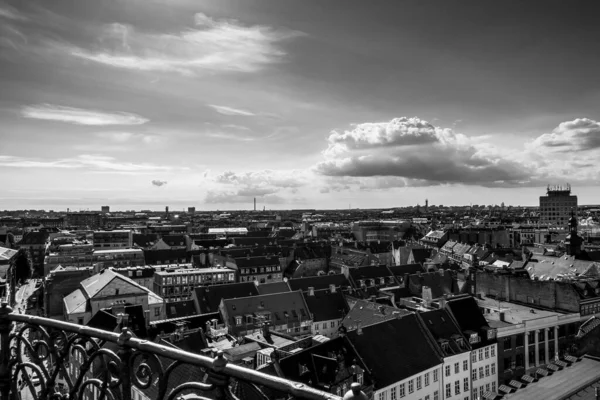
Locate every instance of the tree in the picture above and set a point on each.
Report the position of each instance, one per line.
(22, 267)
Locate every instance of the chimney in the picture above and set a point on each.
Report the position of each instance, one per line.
(265, 330)
(372, 299)
(332, 288)
(311, 291)
(359, 328)
(382, 310)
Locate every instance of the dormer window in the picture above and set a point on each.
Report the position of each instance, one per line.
(382, 281)
(474, 338)
(238, 320)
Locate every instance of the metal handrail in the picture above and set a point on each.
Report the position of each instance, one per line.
(217, 365)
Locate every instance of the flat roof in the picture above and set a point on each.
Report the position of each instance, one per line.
(514, 313)
(563, 383)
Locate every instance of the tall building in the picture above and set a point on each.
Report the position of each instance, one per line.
(105, 209)
(556, 206)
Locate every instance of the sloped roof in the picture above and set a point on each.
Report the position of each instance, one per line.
(469, 317)
(273, 287)
(209, 297)
(175, 309)
(278, 304)
(442, 327)
(95, 283)
(396, 349)
(369, 272)
(551, 267)
(7, 254)
(369, 313)
(319, 282)
(326, 306)
(174, 240)
(400, 270)
(144, 240)
(440, 282)
(420, 254)
(76, 302)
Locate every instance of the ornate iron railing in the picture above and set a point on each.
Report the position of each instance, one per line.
(42, 358)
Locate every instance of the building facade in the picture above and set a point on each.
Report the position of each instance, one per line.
(175, 284)
(556, 206)
(113, 239)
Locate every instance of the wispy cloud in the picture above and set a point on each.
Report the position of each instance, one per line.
(213, 45)
(128, 137)
(231, 111)
(10, 13)
(95, 163)
(158, 183)
(230, 136)
(80, 116)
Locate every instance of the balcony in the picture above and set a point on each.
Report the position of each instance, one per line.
(57, 360)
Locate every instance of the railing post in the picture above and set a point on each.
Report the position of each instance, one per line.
(355, 393)
(216, 378)
(124, 354)
(5, 328)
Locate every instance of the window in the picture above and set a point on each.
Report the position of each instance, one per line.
(541, 335)
(480, 354)
(474, 393)
(448, 390)
(531, 337)
(436, 395)
(80, 321)
(474, 375)
(447, 370)
(493, 368)
(382, 396)
(466, 384)
(493, 351)
(457, 387)
(116, 292)
(493, 386)
(474, 357)
(435, 375)
(487, 387)
(157, 312)
(480, 372)
(465, 365)
(393, 393)
(411, 386)
(332, 324)
(427, 379)
(419, 386)
(487, 370)
(456, 368)
(487, 353)
(481, 392)
(402, 391)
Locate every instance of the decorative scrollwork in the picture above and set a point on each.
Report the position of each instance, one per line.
(58, 361)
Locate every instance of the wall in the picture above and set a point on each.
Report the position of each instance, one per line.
(404, 385)
(459, 376)
(329, 330)
(486, 369)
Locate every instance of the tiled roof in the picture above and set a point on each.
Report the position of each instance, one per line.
(174, 240)
(319, 282)
(389, 362)
(551, 267)
(76, 302)
(326, 306)
(369, 272)
(209, 297)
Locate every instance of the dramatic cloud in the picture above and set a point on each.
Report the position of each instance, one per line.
(90, 162)
(80, 116)
(231, 111)
(413, 149)
(213, 45)
(581, 134)
(159, 183)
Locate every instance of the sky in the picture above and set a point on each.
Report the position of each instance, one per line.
(140, 104)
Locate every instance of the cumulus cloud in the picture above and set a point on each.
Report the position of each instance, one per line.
(212, 45)
(280, 179)
(159, 183)
(581, 134)
(416, 150)
(80, 116)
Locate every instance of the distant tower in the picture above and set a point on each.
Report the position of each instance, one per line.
(555, 206)
(255, 204)
(167, 211)
(573, 241)
(426, 204)
(105, 209)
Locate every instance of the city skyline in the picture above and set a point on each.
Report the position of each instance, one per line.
(138, 105)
